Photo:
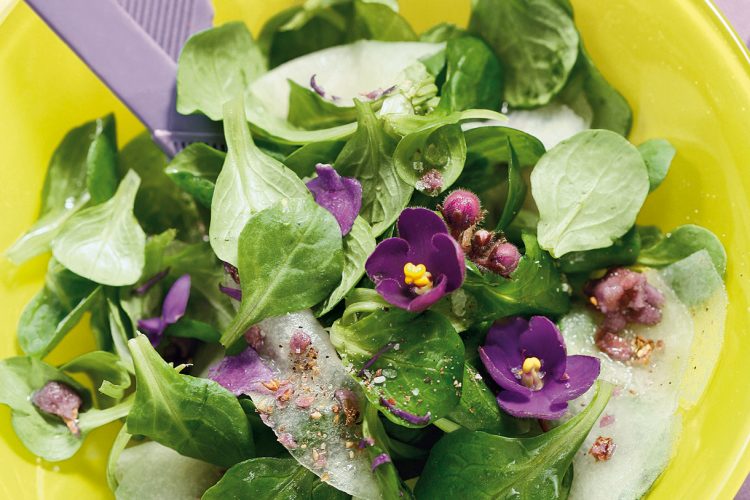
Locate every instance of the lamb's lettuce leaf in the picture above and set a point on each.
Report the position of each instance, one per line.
(474, 78)
(194, 416)
(195, 169)
(368, 156)
(266, 478)
(290, 258)
(662, 250)
(536, 42)
(502, 467)
(249, 182)
(45, 436)
(104, 243)
(215, 66)
(658, 155)
(589, 190)
(82, 170)
(421, 358)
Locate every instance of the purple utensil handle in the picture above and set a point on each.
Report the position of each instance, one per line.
(132, 46)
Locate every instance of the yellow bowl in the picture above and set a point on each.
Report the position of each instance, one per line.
(684, 71)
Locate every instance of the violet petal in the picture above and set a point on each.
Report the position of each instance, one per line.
(423, 239)
(149, 283)
(232, 271)
(232, 293)
(242, 374)
(379, 460)
(405, 415)
(375, 357)
(153, 328)
(342, 196)
(563, 377)
(175, 303)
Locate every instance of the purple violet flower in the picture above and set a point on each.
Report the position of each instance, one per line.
(244, 373)
(342, 196)
(419, 267)
(376, 94)
(232, 271)
(172, 309)
(528, 360)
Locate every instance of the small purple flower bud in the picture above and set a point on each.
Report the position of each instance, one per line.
(299, 342)
(503, 259)
(59, 399)
(430, 183)
(480, 241)
(461, 209)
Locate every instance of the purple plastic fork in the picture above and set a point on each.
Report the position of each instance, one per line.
(133, 46)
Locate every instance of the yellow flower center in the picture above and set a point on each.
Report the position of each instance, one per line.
(531, 364)
(531, 374)
(418, 276)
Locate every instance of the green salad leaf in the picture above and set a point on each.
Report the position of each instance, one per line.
(623, 252)
(108, 374)
(358, 245)
(48, 437)
(149, 470)
(303, 161)
(694, 279)
(194, 416)
(474, 78)
(516, 190)
(290, 258)
(501, 467)
(657, 155)
(435, 149)
(589, 190)
(311, 111)
(535, 287)
(421, 358)
(442, 32)
(215, 66)
(536, 42)
(249, 182)
(379, 20)
(45, 321)
(195, 169)
(159, 205)
(680, 243)
(82, 170)
(368, 156)
(478, 411)
(104, 243)
(265, 478)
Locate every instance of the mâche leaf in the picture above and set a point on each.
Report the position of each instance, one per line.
(589, 190)
(195, 169)
(536, 42)
(82, 170)
(104, 243)
(215, 66)
(504, 467)
(290, 258)
(657, 155)
(47, 436)
(368, 157)
(266, 478)
(196, 417)
(358, 245)
(680, 243)
(108, 374)
(516, 190)
(623, 252)
(159, 205)
(420, 357)
(474, 78)
(249, 182)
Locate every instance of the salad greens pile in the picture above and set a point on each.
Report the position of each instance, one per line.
(307, 313)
